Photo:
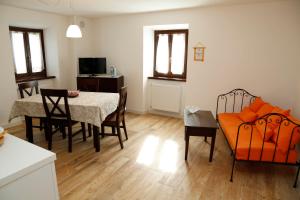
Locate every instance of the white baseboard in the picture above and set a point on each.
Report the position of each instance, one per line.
(136, 111)
(164, 113)
(156, 112)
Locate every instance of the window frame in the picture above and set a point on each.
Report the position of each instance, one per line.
(29, 75)
(169, 75)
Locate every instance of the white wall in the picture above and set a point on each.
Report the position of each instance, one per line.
(253, 46)
(61, 52)
(121, 42)
(83, 47)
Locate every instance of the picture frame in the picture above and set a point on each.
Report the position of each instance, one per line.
(199, 52)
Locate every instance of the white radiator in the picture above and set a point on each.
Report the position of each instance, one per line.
(166, 97)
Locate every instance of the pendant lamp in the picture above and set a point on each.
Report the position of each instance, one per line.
(73, 30)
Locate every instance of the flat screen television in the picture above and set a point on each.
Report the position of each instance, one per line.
(92, 66)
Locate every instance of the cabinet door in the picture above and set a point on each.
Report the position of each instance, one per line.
(38, 184)
(108, 85)
(88, 84)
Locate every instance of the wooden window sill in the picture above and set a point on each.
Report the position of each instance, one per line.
(167, 79)
(34, 79)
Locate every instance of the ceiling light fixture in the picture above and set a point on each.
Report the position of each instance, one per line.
(73, 30)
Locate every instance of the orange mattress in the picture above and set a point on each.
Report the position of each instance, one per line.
(230, 123)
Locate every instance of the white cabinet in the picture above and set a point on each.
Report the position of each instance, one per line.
(26, 171)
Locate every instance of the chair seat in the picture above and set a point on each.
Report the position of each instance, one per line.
(116, 118)
(110, 120)
(63, 121)
(58, 115)
(113, 117)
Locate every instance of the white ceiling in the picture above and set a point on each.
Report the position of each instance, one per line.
(94, 8)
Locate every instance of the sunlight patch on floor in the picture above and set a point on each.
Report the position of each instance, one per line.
(166, 153)
(147, 153)
(169, 156)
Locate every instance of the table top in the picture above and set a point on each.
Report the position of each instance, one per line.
(19, 157)
(89, 107)
(201, 119)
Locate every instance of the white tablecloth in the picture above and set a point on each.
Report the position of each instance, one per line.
(89, 107)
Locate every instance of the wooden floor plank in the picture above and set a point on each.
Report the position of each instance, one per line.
(162, 172)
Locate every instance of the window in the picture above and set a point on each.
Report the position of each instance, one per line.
(28, 52)
(170, 54)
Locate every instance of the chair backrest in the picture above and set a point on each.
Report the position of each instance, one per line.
(32, 85)
(122, 103)
(51, 99)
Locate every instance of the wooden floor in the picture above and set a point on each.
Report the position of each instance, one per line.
(152, 166)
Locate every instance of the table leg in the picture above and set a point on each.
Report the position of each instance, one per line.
(205, 138)
(29, 133)
(96, 138)
(213, 139)
(187, 138)
(90, 130)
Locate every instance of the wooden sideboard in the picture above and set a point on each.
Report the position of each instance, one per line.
(100, 83)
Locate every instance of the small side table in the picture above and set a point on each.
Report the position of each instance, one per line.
(200, 123)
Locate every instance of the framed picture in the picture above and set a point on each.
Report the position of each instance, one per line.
(199, 52)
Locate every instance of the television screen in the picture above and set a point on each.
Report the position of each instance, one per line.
(92, 65)
(100, 65)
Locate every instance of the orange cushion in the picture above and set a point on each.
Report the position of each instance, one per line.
(230, 122)
(281, 111)
(265, 109)
(275, 119)
(287, 129)
(247, 115)
(266, 130)
(257, 104)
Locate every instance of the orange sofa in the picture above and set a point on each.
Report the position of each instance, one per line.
(256, 131)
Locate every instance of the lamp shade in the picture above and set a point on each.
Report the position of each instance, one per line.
(73, 31)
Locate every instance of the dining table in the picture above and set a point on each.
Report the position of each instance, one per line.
(88, 107)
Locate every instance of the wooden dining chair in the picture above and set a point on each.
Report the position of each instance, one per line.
(115, 119)
(28, 89)
(59, 114)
